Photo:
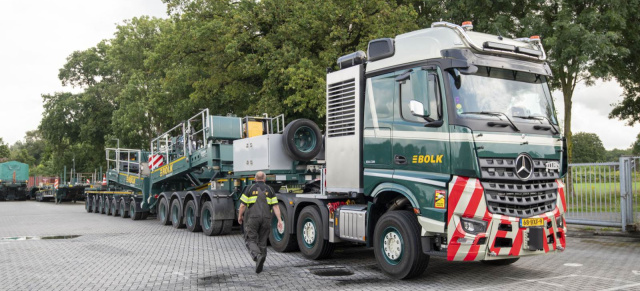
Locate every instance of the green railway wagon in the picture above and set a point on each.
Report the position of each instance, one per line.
(14, 177)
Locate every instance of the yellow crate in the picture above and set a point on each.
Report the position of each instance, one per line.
(253, 128)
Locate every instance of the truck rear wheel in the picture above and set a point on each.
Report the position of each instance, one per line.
(309, 232)
(123, 209)
(301, 139)
(163, 212)
(192, 221)
(396, 244)
(500, 262)
(176, 214)
(282, 241)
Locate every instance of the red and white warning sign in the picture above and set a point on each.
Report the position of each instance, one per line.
(155, 161)
(55, 184)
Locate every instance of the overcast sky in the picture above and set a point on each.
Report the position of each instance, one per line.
(37, 36)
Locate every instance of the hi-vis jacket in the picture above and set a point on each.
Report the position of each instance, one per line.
(250, 196)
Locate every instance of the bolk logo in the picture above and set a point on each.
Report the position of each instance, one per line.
(426, 159)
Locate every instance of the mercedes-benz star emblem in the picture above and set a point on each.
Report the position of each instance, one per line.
(524, 167)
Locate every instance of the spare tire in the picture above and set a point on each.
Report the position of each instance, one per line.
(302, 140)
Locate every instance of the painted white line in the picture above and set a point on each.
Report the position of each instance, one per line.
(622, 287)
(573, 265)
(536, 281)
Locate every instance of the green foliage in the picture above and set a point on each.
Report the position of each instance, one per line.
(615, 154)
(4, 149)
(588, 148)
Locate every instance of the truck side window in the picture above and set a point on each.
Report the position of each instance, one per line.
(422, 87)
(382, 89)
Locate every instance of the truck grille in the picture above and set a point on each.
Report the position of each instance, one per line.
(341, 108)
(507, 195)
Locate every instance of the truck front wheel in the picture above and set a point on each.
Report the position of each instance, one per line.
(310, 234)
(397, 246)
(282, 241)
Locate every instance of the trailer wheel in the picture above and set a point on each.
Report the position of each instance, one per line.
(135, 215)
(282, 241)
(209, 226)
(107, 206)
(163, 212)
(309, 231)
(176, 214)
(227, 224)
(302, 140)
(123, 209)
(144, 215)
(192, 221)
(397, 246)
(87, 205)
(114, 207)
(500, 262)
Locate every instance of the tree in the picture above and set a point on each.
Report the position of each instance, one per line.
(588, 148)
(4, 149)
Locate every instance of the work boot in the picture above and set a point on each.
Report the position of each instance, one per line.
(260, 263)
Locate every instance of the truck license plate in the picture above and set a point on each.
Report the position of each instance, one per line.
(530, 222)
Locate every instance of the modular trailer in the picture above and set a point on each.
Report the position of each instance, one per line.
(442, 141)
(13, 180)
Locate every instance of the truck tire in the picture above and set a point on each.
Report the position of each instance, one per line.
(103, 209)
(87, 205)
(210, 226)
(282, 241)
(301, 140)
(144, 215)
(107, 206)
(227, 224)
(176, 214)
(191, 219)
(133, 214)
(309, 231)
(503, 262)
(123, 209)
(114, 207)
(163, 212)
(396, 244)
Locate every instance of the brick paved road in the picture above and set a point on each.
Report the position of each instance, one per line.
(119, 254)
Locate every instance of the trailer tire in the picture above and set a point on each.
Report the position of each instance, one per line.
(135, 215)
(285, 241)
(163, 212)
(107, 206)
(87, 205)
(94, 204)
(309, 232)
(209, 226)
(396, 244)
(503, 262)
(177, 220)
(114, 207)
(302, 140)
(191, 219)
(227, 224)
(123, 209)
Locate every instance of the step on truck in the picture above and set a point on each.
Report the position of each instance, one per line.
(438, 142)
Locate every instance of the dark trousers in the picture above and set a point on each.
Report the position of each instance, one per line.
(256, 233)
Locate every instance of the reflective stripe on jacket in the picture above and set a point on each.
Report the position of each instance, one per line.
(251, 194)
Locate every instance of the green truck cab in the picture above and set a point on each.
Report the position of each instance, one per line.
(14, 177)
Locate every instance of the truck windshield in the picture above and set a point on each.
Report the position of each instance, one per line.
(520, 96)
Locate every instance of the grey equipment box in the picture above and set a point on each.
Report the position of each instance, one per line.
(260, 153)
(352, 222)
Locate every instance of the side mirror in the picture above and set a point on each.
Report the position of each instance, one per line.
(417, 108)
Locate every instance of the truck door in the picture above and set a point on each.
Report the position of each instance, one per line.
(420, 140)
(378, 119)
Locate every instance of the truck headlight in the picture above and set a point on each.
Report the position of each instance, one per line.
(473, 226)
(559, 222)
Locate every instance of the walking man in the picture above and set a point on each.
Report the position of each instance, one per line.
(255, 210)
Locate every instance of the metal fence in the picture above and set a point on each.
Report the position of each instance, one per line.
(604, 194)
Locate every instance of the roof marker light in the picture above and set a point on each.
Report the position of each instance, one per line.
(467, 25)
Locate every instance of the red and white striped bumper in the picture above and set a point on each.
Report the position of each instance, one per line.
(467, 200)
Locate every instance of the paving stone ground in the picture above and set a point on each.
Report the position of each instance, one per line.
(112, 253)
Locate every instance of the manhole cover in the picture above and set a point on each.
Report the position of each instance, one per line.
(38, 237)
(331, 271)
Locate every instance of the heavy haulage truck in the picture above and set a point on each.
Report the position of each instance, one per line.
(442, 141)
(13, 180)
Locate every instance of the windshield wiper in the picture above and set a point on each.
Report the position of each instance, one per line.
(539, 117)
(491, 113)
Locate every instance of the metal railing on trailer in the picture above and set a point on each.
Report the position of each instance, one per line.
(132, 164)
(604, 194)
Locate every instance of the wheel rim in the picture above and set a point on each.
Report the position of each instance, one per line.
(113, 208)
(132, 209)
(392, 245)
(163, 211)
(206, 219)
(174, 214)
(101, 205)
(304, 139)
(308, 232)
(274, 228)
(122, 209)
(190, 216)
